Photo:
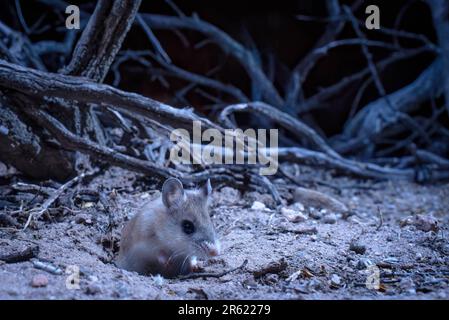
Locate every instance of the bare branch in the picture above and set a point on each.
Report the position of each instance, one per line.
(295, 126)
(376, 116)
(42, 84)
(102, 38)
(440, 13)
(240, 53)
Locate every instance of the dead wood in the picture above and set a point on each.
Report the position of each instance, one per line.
(273, 267)
(21, 256)
(42, 84)
(440, 14)
(19, 144)
(102, 38)
(213, 275)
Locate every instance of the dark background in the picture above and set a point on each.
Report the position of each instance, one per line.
(273, 29)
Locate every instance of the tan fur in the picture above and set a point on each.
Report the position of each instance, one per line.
(153, 241)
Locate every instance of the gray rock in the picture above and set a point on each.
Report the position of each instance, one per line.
(357, 247)
(93, 289)
(39, 280)
(331, 218)
(364, 263)
(335, 280)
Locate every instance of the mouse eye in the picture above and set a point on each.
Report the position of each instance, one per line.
(188, 227)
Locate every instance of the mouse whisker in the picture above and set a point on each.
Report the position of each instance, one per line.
(175, 254)
(185, 260)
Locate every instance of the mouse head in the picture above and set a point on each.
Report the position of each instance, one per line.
(189, 219)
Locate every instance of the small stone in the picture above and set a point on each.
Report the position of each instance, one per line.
(272, 278)
(426, 223)
(120, 291)
(357, 247)
(313, 237)
(330, 218)
(250, 284)
(87, 205)
(83, 218)
(364, 263)
(39, 281)
(315, 214)
(293, 216)
(92, 278)
(298, 206)
(335, 280)
(93, 289)
(257, 205)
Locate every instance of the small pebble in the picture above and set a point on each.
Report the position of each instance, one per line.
(93, 289)
(315, 214)
(293, 216)
(364, 263)
(298, 206)
(357, 247)
(335, 280)
(83, 219)
(258, 206)
(330, 218)
(39, 280)
(272, 278)
(250, 284)
(92, 278)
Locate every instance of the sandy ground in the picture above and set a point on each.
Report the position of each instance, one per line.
(282, 264)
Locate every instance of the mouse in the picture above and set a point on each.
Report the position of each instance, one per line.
(169, 234)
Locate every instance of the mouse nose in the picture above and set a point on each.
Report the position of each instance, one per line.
(213, 248)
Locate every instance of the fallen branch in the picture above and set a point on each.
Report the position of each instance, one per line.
(38, 212)
(42, 84)
(300, 129)
(213, 275)
(273, 267)
(376, 116)
(21, 256)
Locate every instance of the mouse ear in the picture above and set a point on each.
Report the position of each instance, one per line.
(172, 192)
(206, 189)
